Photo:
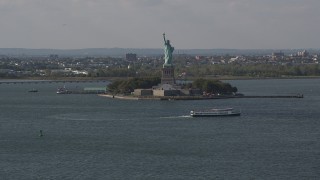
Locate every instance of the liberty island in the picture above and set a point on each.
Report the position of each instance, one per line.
(167, 88)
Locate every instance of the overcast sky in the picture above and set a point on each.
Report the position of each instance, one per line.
(189, 24)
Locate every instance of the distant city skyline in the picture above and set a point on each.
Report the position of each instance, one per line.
(188, 24)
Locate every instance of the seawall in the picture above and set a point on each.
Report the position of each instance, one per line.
(194, 97)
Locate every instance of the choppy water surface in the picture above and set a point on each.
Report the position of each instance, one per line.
(92, 137)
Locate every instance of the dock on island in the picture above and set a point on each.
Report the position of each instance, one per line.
(274, 96)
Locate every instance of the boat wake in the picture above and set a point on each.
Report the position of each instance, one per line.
(83, 118)
(174, 117)
(71, 118)
(78, 119)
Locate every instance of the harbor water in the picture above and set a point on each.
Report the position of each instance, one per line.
(44, 135)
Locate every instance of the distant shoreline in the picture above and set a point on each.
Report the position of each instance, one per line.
(114, 78)
(119, 52)
(262, 78)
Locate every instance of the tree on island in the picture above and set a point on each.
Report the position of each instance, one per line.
(212, 86)
(205, 85)
(128, 86)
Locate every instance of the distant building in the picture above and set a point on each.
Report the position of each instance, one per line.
(199, 58)
(303, 53)
(53, 56)
(76, 72)
(131, 57)
(277, 55)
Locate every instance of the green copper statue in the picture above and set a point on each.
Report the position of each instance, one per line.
(168, 50)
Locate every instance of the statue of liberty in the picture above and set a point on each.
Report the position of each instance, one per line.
(168, 50)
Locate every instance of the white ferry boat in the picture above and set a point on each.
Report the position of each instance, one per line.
(215, 112)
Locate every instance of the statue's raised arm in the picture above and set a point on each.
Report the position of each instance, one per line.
(164, 37)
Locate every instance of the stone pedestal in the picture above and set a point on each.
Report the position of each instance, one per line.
(168, 75)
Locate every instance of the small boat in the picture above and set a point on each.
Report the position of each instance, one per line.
(33, 90)
(63, 90)
(215, 112)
